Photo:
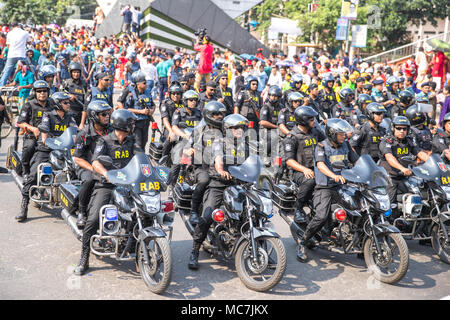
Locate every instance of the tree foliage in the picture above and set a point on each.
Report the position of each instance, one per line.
(394, 16)
(45, 11)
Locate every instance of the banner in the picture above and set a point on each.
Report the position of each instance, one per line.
(359, 36)
(342, 29)
(349, 9)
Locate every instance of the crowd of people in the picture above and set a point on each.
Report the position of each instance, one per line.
(279, 96)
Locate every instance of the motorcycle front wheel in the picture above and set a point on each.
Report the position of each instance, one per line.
(440, 245)
(158, 273)
(392, 264)
(264, 272)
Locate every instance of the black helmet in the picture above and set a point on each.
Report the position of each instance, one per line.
(41, 84)
(59, 97)
(75, 66)
(250, 79)
(234, 121)
(95, 107)
(335, 126)
(296, 78)
(212, 108)
(190, 94)
(347, 95)
(138, 77)
(294, 96)
(446, 118)
(363, 99)
(326, 79)
(175, 87)
(275, 91)
(400, 121)
(406, 97)
(374, 107)
(46, 71)
(123, 120)
(414, 116)
(302, 115)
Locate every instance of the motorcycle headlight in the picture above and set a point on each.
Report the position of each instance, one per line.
(380, 194)
(446, 190)
(152, 203)
(267, 206)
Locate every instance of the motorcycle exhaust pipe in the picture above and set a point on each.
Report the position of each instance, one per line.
(17, 179)
(72, 223)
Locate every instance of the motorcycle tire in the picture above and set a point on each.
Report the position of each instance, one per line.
(374, 265)
(438, 243)
(159, 252)
(243, 262)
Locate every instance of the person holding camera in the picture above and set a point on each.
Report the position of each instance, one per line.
(205, 63)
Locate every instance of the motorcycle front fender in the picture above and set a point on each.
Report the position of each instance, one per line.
(384, 228)
(258, 233)
(151, 232)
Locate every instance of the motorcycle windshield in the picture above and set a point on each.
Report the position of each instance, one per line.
(248, 171)
(434, 169)
(64, 141)
(367, 172)
(140, 176)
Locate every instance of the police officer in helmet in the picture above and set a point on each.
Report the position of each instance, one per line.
(98, 113)
(286, 117)
(53, 124)
(136, 99)
(398, 151)
(367, 138)
(331, 156)
(30, 118)
(120, 146)
(419, 128)
(232, 150)
(299, 149)
(249, 102)
(441, 141)
(77, 88)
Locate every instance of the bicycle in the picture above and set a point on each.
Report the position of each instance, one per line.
(11, 102)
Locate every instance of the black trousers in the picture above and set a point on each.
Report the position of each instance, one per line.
(100, 197)
(38, 158)
(397, 187)
(141, 133)
(202, 178)
(323, 197)
(87, 186)
(305, 187)
(28, 150)
(213, 199)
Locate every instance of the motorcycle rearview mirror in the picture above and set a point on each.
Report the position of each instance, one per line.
(106, 161)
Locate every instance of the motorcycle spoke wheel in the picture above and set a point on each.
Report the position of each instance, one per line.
(440, 245)
(158, 272)
(268, 269)
(392, 263)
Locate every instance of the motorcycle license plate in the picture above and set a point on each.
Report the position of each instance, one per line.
(111, 214)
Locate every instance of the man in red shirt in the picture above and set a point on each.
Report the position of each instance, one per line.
(437, 70)
(204, 68)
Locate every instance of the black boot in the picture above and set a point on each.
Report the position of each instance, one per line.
(81, 221)
(22, 216)
(300, 215)
(193, 259)
(83, 264)
(193, 218)
(301, 251)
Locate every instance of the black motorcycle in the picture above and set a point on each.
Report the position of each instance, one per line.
(425, 208)
(60, 169)
(240, 228)
(357, 221)
(137, 220)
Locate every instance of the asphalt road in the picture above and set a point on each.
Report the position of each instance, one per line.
(37, 259)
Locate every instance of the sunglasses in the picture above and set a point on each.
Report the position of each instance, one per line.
(193, 99)
(41, 91)
(218, 113)
(378, 113)
(177, 94)
(401, 128)
(104, 114)
(65, 102)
